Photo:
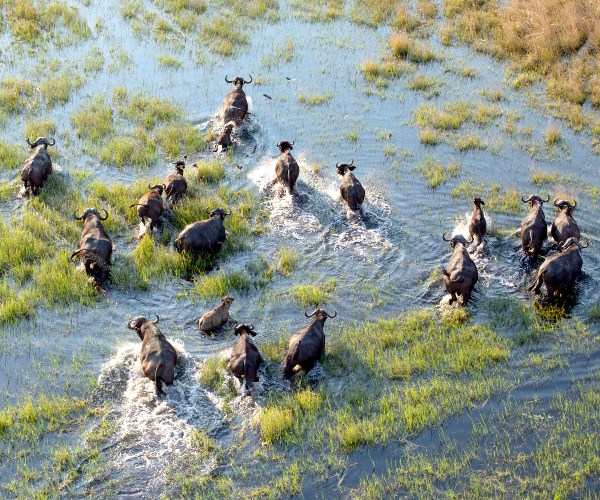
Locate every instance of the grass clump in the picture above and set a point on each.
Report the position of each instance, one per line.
(137, 150)
(168, 61)
(57, 89)
(177, 139)
(11, 155)
(40, 128)
(470, 141)
(497, 198)
(403, 46)
(221, 284)
(436, 173)
(452, 117)
(315, 99)
(318, 11)
(373, 70)
(275, 424)
(429, 136)
(94, 120)
(287, 259)
(552, 136)
(313, 295)
(149, 111)
(223, 36)
(212, 373)
(210, 171)
(430, 86)
(15, 94)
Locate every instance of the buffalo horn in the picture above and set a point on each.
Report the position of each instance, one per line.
(75, 253)
(207, 210)
(228, 213)
(546, 200)
(279, 144)
(248, 81)
(28, 142)
(337, 164)
(586, 245)
(156, 320)
(574, 204)
(312, 314)
(105, 217)
(525, 200)
(52, 143)
(444, 237)
(228, 81)
(251, 326)
(351, 163)
(555, 204)
(471, 240)
(330, 316)
(293, 142)
(130, 325)
(75, 215)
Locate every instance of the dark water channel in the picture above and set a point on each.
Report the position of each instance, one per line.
(381, 262)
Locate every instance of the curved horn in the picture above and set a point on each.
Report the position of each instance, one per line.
(444, 237)
(330, 316)
(228, 81)
(337, 164)
(525, 200)
(52, 143)
(28, 142)
(129, 325)
(227, 213)
(251, 326)
(149, 186)
(574, 203)
(75, 215)
(586, 245)
(207, 211)
(293, 142)
(546, 200)
(351, 163)
(555, 203)
(312, 314)
(156, 320)
(248, 81)
(76, 252)
(279, 144)
(471, 240)
(105, 217)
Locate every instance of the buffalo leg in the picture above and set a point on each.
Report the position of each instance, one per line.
(466, 296)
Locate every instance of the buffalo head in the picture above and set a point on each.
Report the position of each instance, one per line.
(565, 205)
(238, 80)
(478, 202)
(180, 164)
(41, 140)
(157, 187)
(457, 239)
(285, 145)
(320, 314)
(533, 199)
(137, 323)
(244, 328)
(344, 167)
(90, 211)
(218, 212)
(574, 241)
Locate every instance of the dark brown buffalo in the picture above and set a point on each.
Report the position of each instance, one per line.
(306, 345)
(235, 105)
(460, 275)
(287, 169)
(95, 246)
(176, 185)
(533, 227)
(245, 359)
(203, 236)
(38, 166)
(151, 205)
(477, 225)
(158, 356)
(224, 140)
(350, 188)
(559, 271)
(564, 226)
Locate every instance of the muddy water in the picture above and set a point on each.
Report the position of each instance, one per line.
(381, 260)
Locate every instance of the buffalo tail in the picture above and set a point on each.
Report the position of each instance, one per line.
(158, 379)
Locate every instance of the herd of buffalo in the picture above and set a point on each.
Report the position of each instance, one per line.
(158, 357)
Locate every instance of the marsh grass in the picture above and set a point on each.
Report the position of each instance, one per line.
(403, 46)
(93, 120)
(373, 70)
(429, 136)
(318, 11)
(58, 89)
(430, 86)
(169, 61)
(313, 295)
(136, 150)
(436, 173)
(223, 36)
(149, 111)
(212, 373)
(497, 198)
(40, 128)
(467, 142)
(209, 171)
(315, 99)
(287, 260)
(16, 95)
(552, 136)
(11, 156)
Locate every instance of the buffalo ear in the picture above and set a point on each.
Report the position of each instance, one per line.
(351, 168)
(252, 332)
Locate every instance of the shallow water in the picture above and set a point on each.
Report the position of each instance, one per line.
(381, 258)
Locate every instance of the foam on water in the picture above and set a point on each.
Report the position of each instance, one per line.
(150, 432)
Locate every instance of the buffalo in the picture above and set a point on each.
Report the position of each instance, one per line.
(533, 227)
(38, 166)
(559, 271)
(216, 317)
(245, 359)
(176, 185)
(477, 225)
(460, 275)
(205, 235)
(351, 189)
(224, 140)
(151, 205)
(95, 246)
(235, 105)
(158, 356)
(564, 226)
(287, 169)
(306, 345)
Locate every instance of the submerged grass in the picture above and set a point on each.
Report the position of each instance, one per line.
(436, 173)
